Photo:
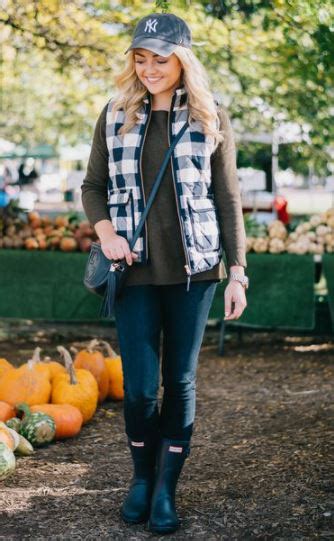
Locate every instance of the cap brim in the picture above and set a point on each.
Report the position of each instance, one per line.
(157, 46)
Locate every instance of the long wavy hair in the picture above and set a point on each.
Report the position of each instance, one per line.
(201, 103)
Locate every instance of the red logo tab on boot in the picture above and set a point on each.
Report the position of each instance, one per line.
(174, 449)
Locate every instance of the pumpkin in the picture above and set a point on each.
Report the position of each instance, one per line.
(7, 438)
(51, 368)
(38, 428)
(6, 411)
(13, 434)
(78, 387)
(25, 384)
(54, 367)
(68, 244)
(7, 461)
(93, 360)
(115, 370)
(68, 418)
(31, 244)
(4, 366)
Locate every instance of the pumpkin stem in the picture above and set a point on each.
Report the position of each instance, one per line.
(109, 349)
(36, 357)
(93, 344)
(68, 364)
(30, 364)
(23, 407)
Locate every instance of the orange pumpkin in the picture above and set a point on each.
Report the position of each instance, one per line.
(68, 244)
(115, 370)
(93, 360)
(37, 364)
(50, 368)
(6, 411)
(25, 384)
(54, 367)
(68, 418)
(77, 387)
(4, 366)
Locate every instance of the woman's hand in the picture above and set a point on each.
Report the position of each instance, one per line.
(112, 245)
(117, 247)
(234, 293)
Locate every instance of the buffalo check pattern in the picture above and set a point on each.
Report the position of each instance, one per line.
(192, 180)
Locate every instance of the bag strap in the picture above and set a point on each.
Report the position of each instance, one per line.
(156, 185)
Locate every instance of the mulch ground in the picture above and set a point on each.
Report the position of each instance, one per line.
(260, 465)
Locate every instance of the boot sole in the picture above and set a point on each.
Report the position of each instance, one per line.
(134, 521)
(163, 529)
(130, 520)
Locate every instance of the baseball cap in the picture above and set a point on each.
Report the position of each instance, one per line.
(161, 33)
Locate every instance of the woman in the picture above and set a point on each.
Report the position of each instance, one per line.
(177, 261)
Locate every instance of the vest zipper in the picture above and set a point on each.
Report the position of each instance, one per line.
(187, 266)
(141, 176)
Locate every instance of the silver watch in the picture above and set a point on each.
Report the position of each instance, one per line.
(244, 280)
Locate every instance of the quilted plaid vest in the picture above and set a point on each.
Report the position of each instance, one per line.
(191, 172)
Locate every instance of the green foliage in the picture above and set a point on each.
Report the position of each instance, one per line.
(164, 5)
(268, 60)
(253, 227)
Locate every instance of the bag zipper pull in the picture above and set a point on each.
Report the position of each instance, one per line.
(188, 276)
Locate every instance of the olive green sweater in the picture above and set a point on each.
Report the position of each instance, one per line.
(166, 253)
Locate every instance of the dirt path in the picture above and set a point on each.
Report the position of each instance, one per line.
(259, 467)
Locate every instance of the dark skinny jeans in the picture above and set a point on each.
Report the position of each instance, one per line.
(141, 312)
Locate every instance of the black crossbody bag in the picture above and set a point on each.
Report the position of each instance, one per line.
(105, 277)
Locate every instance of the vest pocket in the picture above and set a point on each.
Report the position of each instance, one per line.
(204, 223)
(121, 210)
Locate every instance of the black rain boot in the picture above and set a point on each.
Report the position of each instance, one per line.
(171, 457)
(136, 506)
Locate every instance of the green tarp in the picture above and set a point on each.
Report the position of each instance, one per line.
(45, 285)
(48, 285)
(328, 270)
(280, 294)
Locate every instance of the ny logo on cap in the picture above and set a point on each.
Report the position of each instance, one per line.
(151, 25)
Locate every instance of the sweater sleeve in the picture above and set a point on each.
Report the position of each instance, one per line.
(94, 195)
(227, 194)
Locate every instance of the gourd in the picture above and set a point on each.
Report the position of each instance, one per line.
(14, 423)
(7, 461)
(21, 445)
(78, 388)
(38, 428)
(276, 245)
(7, 438)
(93, 360)
(68, 418)
(115, 370)
(260, 244)
(25, 384)
(276, 229)
(14, 435)
(6, 411)
(24, 447)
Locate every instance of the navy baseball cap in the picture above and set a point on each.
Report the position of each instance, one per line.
(161, 33)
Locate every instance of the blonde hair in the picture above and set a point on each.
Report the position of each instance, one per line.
(201, 103)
